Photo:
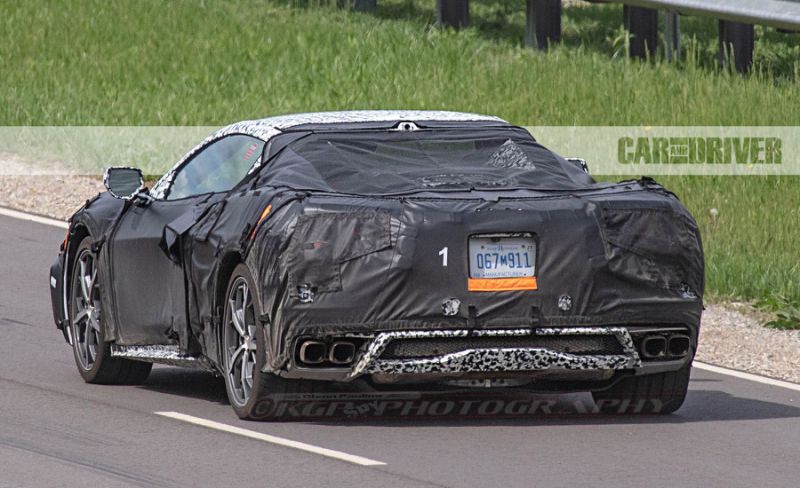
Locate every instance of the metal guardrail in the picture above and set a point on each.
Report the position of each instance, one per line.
(736, 19)
(781, 14)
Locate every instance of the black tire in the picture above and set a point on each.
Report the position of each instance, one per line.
(258, 400)
(91, 352)
(661, 393)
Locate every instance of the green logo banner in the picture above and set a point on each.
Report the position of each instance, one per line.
(678, 150)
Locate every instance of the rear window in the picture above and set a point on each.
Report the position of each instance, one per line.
(388, 162)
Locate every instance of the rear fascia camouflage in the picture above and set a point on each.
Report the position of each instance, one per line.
(497, 359)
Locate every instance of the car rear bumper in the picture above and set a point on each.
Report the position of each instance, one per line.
(569, 353)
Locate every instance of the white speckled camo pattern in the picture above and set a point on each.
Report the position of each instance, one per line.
(161, 354)
(497, 359)
(266, 129)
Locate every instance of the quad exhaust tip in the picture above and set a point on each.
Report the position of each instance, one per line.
(679, 345)
(342, 352)
(315, 353)
(654, 347)
(660, 346)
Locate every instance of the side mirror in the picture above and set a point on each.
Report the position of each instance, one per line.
(124, 183)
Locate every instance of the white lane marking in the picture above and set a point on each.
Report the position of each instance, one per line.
(16, 214)
(746, 376)
(280, 441)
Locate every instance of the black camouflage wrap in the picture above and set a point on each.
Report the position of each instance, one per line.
(338, 264)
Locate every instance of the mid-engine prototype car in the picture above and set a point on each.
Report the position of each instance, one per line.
(385, 248)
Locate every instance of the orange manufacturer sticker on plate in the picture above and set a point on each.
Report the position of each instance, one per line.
(502, 284)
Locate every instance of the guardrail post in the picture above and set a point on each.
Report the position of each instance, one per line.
(642, 23)
(543, 24)
(672, 36)
(736, 43)
(364, 5)
(452, 13)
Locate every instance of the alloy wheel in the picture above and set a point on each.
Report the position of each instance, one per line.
(86, 310)
(239, 341)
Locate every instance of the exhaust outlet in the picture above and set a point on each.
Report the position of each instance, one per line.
(679, 345)
(313, 352)
(342, 353)
(654, 347)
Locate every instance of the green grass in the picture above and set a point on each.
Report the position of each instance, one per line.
(181, 62)
(786, 314)
(751, 245)
(202, 63)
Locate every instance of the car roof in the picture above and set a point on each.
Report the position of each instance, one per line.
(269, 127)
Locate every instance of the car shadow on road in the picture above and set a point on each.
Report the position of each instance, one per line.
(189, 383)
(578, 409)
(411, 408)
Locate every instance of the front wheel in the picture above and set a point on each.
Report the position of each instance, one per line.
(92, 353)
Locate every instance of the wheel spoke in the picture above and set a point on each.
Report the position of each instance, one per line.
(251, 364)
(80, 334)
(86, 333)
(90, 280)
(92, 344)
(251, 331)
(94, 323)
(82, 314)
(237, 318)
(232, 361)
(84, 289)
(245, 296)
(243, 375)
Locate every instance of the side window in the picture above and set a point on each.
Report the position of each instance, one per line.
(217, 168)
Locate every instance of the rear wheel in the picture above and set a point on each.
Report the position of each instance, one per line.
(92, 353)
(661, 393)
(250, 390)
(239, 339)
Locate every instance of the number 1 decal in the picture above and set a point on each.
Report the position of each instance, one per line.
(443, 254)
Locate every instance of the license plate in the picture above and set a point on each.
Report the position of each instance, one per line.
(502, 257)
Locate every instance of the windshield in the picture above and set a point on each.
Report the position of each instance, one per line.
(387, 162)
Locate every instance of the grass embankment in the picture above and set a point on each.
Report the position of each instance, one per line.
(208, 63)
(751, 244)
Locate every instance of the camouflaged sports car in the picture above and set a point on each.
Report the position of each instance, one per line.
(434, 249)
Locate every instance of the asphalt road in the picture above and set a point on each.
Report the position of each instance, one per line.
(56, 430)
